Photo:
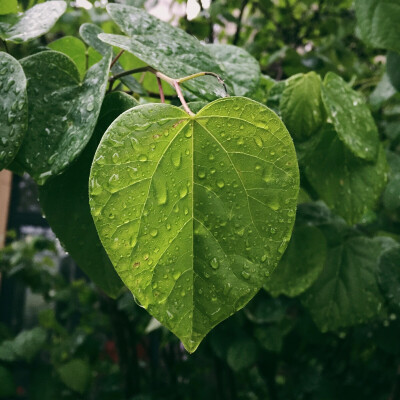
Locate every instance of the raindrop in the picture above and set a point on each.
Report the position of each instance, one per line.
(214, 263)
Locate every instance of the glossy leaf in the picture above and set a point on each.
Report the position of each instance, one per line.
(389, 276)
(13, 106)
(62, 112)
(89, 33)
(348, 185)
(301, 105)
(33, 23)
(301, 264)
(351, 117)
(195, 212)
(65, 203)
(169, 50)
(347, 292)
(73, 48)
(393, 68)
(377, 21)
(242, 69)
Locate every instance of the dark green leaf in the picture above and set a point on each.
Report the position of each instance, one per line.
(393, 68)
(389, 276)
(194, 212)
(76, 374)
(65, 203)
(391, 195)
(167, 49)
(62, 112)
(242, 69)
(242, 354)
(13, 106)
(33, 23)
(347, 292)
(301, 105)
(348, 185)
(351, 117)
(75, 49)
(378, 22)
(301, 264)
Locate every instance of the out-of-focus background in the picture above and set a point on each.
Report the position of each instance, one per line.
(62, 338)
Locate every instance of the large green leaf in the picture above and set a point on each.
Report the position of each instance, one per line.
(347, 184)
(65, 203)
(169, 50)
(31, 24)
(89, 33)
(301, 105)
(62, 111)
(378, 23)
(351, 117)
(74, 48)
(347, 292)
(242, 69)
(301, 264)
(389, 276)
(13, 106)
(195, 212)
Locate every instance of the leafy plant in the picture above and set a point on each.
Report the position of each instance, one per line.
(193, 206)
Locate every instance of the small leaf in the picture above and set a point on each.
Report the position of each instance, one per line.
(348, 185)
(347, 292)
(242, 69)
(169, 50)
(301, 105)
(76, 375)
(185, 207)
(301, 264)
(62, 112)
(389, 276)
(351, 117)
(33, 23)
(383, 91)
(73, 48)
(377, 21)
(13, 106)
(65, 203)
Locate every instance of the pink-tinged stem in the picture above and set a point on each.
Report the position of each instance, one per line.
(161, 90)
(181, 98)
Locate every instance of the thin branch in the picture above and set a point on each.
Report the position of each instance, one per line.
(160, 89)
(239, 24)
(199, 74)
(182, 99)
(116, 58)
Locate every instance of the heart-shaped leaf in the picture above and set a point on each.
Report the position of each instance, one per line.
(351, 117)
(33, 23)
(195, 211)
(65, 202)
(169, 50)
(347, 292)
(62, 111)
(13, 106)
